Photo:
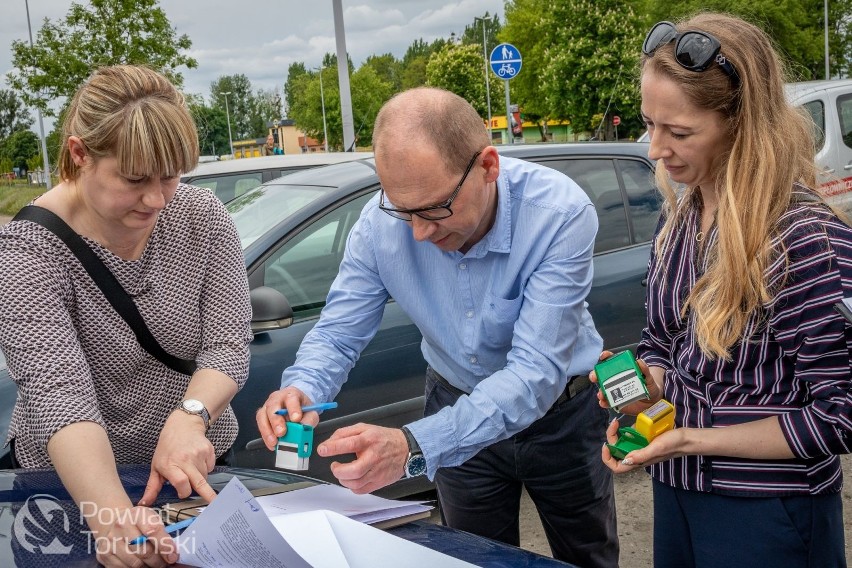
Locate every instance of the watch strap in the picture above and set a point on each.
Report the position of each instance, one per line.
(413, 446)
(203, 413)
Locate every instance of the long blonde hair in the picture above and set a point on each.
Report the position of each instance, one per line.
(134, 114)
(771, 148)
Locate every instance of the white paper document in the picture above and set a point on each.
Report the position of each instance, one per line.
(329, 540)
(367, 508)
(235, 532)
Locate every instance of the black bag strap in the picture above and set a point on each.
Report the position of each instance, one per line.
(107, 282)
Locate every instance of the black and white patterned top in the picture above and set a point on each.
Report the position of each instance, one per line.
(74, 358)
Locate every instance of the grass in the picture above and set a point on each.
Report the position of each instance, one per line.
(15, 194)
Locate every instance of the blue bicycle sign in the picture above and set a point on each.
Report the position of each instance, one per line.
(505, 61)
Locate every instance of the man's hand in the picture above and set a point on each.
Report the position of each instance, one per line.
(380, 455)
(271, 425)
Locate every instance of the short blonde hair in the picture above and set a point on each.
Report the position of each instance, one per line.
(134, 114)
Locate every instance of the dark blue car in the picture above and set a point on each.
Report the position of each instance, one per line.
(294, 230)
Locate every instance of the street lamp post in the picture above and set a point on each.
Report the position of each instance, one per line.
(47, 179)
(228, 115)
(487, 86)
(322, 100)
(827, 75)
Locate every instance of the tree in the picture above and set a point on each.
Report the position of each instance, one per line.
(369, 93)
(583, 57)
(458, 68)
(294, 73)
(20, 147)
(240, 104)
(267, 108)
(388, 68)
(105, 32)
(13, 114)
(415, 59)
(796, 27)
(473, 32)
(212, 126)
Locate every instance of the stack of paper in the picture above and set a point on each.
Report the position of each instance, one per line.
(235, 532)
(368, 509)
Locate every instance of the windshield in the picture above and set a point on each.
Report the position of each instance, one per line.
(262, 208)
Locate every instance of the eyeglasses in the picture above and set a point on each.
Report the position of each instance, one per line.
(694, 50)
(432, 212)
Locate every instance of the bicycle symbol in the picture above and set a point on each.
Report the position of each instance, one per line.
(506, 69)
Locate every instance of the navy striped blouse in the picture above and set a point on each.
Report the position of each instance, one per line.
(795, 363)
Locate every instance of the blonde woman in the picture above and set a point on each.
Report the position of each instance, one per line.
(89, 395)
(742, 334)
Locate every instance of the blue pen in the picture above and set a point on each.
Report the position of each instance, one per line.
(316, 407)
(169, 529)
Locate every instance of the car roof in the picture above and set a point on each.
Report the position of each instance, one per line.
(526, 151)
(344, 175)
(274, 162)
(797, 90)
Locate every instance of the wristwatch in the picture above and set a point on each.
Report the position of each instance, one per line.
(196, 407)
(415, 465)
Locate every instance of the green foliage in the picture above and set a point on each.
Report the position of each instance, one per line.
(13, 114)
(20, 147)
(369, 93)
(796, 27)
(458, 68)
(239, 104)
(212, 126)
(294, 73)
(388, 68)
(415, 59)
(580, 58)
(472, 33)
(104, 32)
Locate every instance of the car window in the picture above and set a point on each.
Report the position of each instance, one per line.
(817, 112)
(598, 179)
(844, 111)
(643, 198)
(256, 212)
(228, 187)
(304, 267)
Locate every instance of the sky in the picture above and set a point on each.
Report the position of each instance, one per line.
(261, 38)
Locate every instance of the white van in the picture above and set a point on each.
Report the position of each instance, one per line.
(830, 105)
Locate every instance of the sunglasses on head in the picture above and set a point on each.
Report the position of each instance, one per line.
(694, 50)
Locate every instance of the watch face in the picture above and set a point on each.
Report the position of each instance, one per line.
(416, 465)
(192, 405)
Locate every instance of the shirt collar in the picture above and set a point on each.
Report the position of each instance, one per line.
(499, 238)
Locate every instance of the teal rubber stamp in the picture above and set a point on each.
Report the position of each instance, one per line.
(295, 447)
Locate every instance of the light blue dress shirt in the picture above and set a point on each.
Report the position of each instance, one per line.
(506, 322)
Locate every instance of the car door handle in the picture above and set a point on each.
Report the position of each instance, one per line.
(829, 170)
(848, 166)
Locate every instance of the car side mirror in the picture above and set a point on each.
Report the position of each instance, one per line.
(269, 310)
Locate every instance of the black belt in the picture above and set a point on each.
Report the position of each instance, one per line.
(576, 385)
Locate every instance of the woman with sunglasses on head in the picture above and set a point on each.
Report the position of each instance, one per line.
(742, 335)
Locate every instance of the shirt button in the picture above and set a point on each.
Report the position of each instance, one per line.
(473, 359)
(469, 314)
(462, 266)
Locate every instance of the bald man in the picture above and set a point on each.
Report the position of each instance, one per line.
(491, 258)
